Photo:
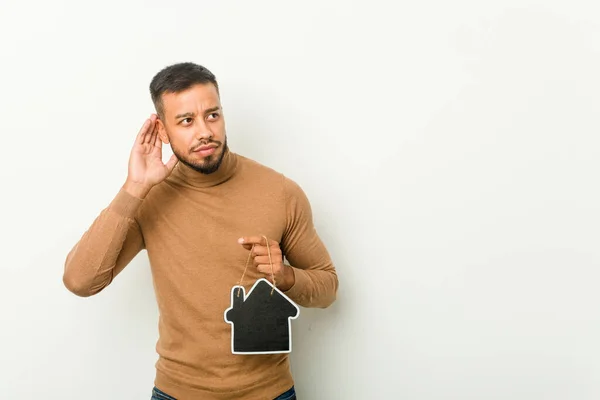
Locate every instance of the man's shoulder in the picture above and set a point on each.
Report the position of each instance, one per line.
(265, 172)
(259, 169)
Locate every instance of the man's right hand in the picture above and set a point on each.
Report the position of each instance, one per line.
(146, 167)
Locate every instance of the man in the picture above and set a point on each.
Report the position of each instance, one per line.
(200, 217)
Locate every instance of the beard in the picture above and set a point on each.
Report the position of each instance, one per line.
(210, 163)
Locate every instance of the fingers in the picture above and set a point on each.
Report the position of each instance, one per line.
(152, 132)
(267, 260)
(249, 241)
(156, 139)
(260, 260)
(172, 162)
(142, 133)
(270, 272)
(146, 130)
(264, 251)
(266, 269)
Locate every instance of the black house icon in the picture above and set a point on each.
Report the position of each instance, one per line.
(261, 321)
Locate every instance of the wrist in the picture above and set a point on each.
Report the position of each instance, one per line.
(290, 277)
(136, 189)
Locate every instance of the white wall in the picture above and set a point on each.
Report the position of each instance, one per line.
(450, 151)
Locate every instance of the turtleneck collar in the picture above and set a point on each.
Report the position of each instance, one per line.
(194, 178)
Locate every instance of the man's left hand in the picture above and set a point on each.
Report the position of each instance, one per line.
(284, 274)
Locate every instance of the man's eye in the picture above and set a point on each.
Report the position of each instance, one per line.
(186, 121)
(213, 116)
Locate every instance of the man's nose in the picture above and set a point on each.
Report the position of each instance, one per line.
(202, 132)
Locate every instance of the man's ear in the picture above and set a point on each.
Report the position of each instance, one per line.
(162, 132)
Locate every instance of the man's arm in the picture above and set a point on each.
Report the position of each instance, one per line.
(106, 248)
(316, 281)
(114, 238)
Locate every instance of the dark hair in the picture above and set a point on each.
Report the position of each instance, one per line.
(177, 78)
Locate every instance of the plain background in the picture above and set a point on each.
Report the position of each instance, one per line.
(449, 149)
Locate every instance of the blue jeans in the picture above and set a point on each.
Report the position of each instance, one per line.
(158, 395)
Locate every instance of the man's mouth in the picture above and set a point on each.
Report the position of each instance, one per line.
(205, 150)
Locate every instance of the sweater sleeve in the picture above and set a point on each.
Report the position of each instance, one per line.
(316, 281)
(105, 249)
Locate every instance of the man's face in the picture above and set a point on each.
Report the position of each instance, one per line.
(193, 124)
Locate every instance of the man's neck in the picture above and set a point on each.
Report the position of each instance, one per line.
(198, 179)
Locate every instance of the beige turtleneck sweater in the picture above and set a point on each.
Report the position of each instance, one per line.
(189, 225)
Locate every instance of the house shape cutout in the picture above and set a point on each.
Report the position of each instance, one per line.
(261, 321)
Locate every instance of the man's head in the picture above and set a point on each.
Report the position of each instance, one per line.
(190, 118)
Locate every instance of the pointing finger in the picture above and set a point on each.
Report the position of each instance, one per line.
(259, 240)
(249, 241)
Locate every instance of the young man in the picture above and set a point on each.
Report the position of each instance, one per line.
(201, 217)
